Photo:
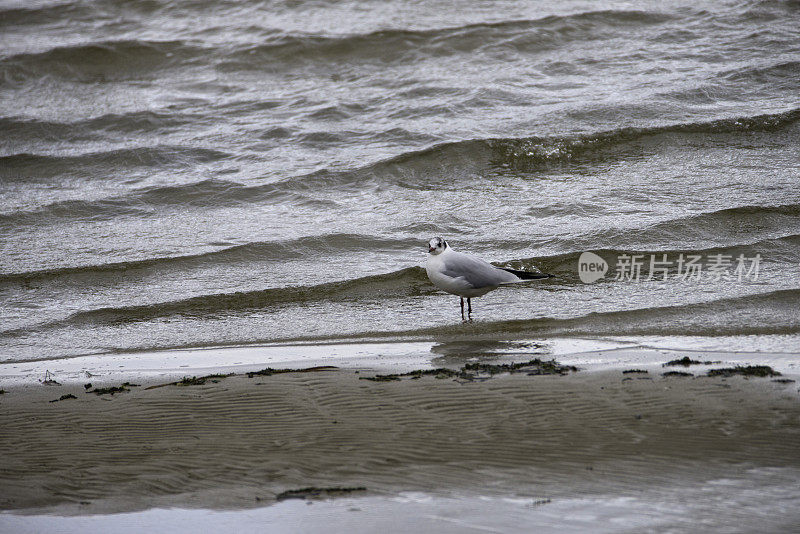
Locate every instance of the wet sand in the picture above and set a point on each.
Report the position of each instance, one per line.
(243, 442)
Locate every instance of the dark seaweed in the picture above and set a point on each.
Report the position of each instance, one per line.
(676, 373)
(634, 371)
(381, 378)
(269, 371)
(750, 370)
(531, 367)
(112, 390)
(472, 371)
(440, 372)
(64, 397)
(317, 493)
(193, 381)
(198, 380)
(686, 362)
(109, 391)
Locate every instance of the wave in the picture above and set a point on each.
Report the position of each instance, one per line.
(100, 61)
(408, 282)
(400, 44)
(713, 224)
(18, 166)
(764, 74)
(721, 229)
(42, 13)
(417, 169)
(534, 152)
(23, 16)
(98, 210)
(770, 313)
(728, 85)
(137, 58)
(773, 312)
(142, 202)
(404, 283)
(264, 251)
(778, 250)
(23, 129)
(530, 153)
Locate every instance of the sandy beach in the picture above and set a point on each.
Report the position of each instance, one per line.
(326, 434)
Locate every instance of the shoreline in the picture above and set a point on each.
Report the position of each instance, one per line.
(383, 356)
(313, 418)
(528, 442)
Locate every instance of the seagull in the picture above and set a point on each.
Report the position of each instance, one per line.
(468, 276)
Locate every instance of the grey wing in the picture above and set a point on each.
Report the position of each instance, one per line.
(476, 272)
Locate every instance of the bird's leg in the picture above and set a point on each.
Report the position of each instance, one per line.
(462, 310)
(469, 306)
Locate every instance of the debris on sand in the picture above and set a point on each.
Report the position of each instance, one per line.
(749, 370)
(193, 381)
(199, 381)
(64, 397)
(215, 378)
(317, 493)
(475, 371)
(49, 380)
(381, 378)
(531, 367)
(628, 371)
(686, 362)
(109, 391)
(676, 373)
(440, 372)
(269, 371)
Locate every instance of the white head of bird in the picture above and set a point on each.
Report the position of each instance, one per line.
(436, 246)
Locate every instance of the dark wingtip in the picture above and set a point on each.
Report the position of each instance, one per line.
(525, 275)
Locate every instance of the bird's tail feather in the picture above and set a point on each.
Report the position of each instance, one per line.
(525, 275)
